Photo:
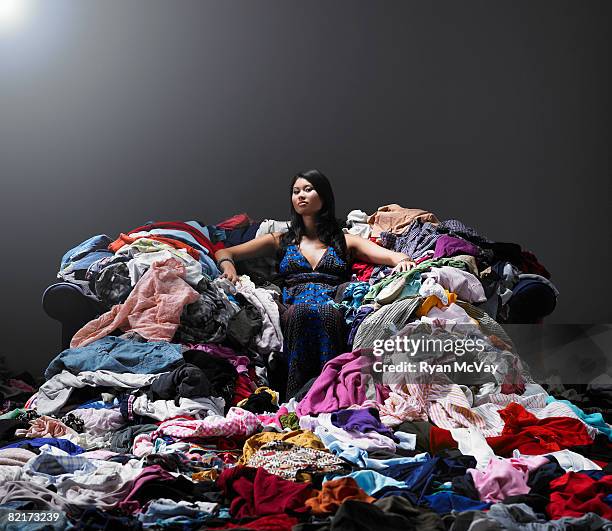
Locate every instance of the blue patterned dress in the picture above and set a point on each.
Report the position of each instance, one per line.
(314, 330)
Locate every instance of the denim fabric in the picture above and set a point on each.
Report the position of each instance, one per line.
(117, 355)
(95, 243)
(81, 265)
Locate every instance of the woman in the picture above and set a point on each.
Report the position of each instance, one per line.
(314, 258)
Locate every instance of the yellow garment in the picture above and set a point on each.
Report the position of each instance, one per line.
(304, 438)
(206, 475)
(432, 301)
(271, 392)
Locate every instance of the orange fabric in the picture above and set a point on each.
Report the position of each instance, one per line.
(432, 301)
(396, 219)
(125, 239)
(334, 493)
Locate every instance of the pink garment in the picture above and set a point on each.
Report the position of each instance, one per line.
(153, 309)
(237, 423)
(504, 477)
(342, 383)
(102, 455)
(15, 456)
(396, 219)
(220, 351)
(273, 420)
(45, 427)
(100, 421)
(399, 407)
(135, 498)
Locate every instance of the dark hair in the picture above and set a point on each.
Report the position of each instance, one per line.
(329, 229)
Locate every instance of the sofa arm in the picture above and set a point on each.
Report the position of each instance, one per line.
(68, 304)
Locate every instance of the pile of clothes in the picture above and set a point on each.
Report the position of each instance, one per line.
(162, 414)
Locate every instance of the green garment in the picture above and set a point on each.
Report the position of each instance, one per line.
(12, 414)
(423, 266)
(290, 421)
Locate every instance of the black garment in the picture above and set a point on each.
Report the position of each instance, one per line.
(206, 319)
(244, 326)
(121, 440)
(186, 381)
(540, 478)
(96, 519)
(74, 422)
(113, 284)
(391, 514)
(221, 374)
(600, 450)
(7, 430)
(260, 403)
(170, 462)
(536, 501)
(421, 429)
(464, 486)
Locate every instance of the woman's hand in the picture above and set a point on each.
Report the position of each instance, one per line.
(404, 265)
(229, 272)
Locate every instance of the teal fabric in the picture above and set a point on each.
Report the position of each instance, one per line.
(594, 419)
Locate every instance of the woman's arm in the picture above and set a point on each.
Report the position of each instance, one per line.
(367, 251)
(263, 246)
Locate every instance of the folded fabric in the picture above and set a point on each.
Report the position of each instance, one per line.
(256, 492)
(116, 354)
(55, 393)
(152, 309)
(334, 493)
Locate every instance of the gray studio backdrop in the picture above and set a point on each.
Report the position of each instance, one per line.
(113, 112)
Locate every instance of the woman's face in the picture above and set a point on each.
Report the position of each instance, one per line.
(305, 198)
